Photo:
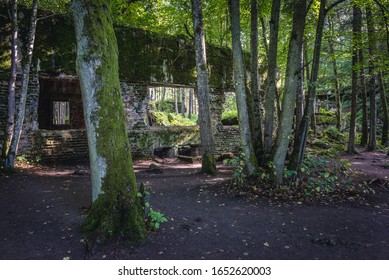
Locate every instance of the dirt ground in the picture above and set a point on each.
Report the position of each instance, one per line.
(42, 208)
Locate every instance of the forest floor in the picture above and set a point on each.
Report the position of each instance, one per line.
(42, 208)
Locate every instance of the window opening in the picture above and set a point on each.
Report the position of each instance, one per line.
(61, 113)
(172, 106)
(230, 110)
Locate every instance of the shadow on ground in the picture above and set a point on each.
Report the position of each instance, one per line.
(42, 209)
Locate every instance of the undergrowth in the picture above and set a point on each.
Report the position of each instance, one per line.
(153, 219)
(319, 180)
(171, 119)
(329, 143)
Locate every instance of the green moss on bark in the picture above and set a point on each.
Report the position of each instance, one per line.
(116, 217)
(208, 164)
(116, 211)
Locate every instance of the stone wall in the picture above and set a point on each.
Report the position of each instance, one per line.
(53, 145)
(60, 146)
(70, 146)
(227, 139)
(147, 141)
(135, 99)
(31, 115)
(145, 59)
(3, 111)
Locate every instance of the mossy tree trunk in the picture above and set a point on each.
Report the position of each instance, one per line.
(363, 96)
(116, 209)
(206, 134)
(298, 153)
(291, 83)
(331, 40)
(385, 113)
(299, 146)
(372, 84)
(299, 111)
(241, 96)
(272, 79)
(254, 98)
(357, 14)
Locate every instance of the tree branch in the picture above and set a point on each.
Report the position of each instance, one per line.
(188, 32)
(330, 7)
(49, 16)
(383, 8)
(264, 37)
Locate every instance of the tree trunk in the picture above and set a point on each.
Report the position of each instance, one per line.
(176, 100)
(299, 112)
(272, 79)
(336, 79)
(12, 83)
(354, 79)
(384, 105)
(190, 106)
(241, 97)
(288, 102)
(308, 78)
(116, 209)
(264, 31)
(206, 135)
(254, 100)
(297, 156)
(163, 93)
(12, 152)
(372, 92)
(362, 91)
(183, 103)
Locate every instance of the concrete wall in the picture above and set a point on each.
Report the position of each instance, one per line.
(144, 58)
(42, 141)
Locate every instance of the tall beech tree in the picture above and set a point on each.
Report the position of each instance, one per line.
(331, 40)
(372, 81)
(254, 98)
(383, 97)
(272, 79)
(300, 141)
(240, 90)
(385, 113)
(291, 83)
(206, 134)
(362, 92)
(356, 22)
(116, 209)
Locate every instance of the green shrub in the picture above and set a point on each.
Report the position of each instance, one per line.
(230, 118)
(333, 133)
(166, 105)
(171, 119)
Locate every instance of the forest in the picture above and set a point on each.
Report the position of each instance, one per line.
(309, 101)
